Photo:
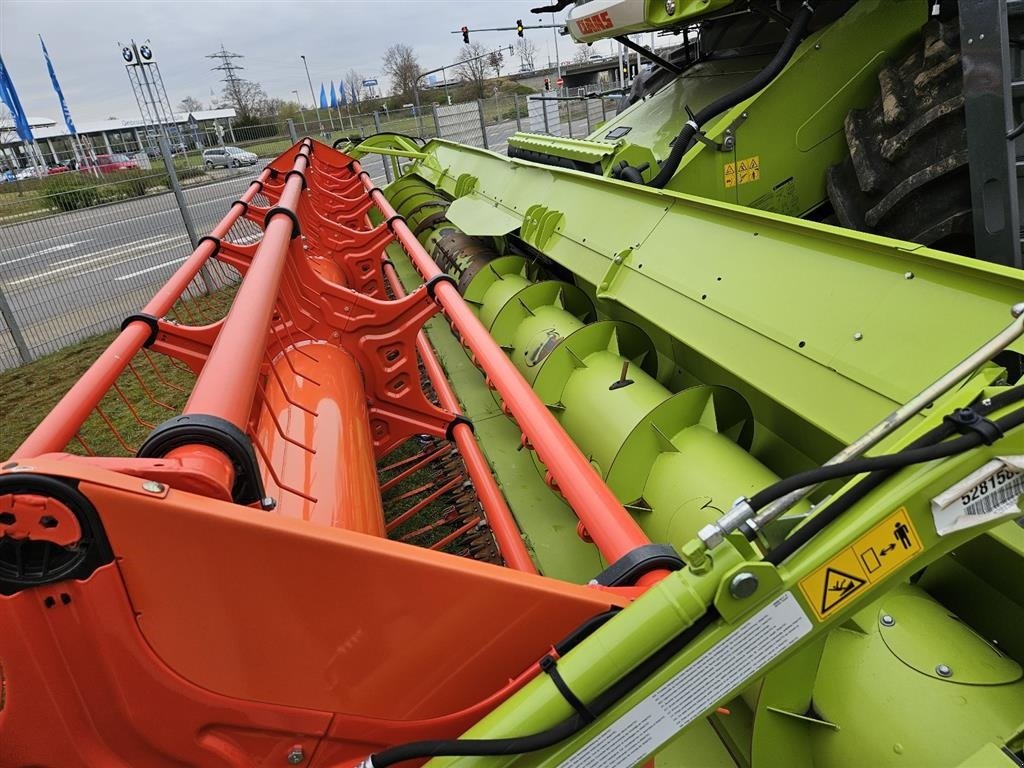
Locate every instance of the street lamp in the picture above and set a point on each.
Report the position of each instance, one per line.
(301, 113)
(309, 80)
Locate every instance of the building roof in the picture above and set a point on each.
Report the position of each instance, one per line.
(46, 128)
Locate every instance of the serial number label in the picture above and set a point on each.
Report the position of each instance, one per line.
(989, 493)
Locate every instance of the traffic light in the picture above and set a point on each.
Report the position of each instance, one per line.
(465, 35)
(519, 27)
(547, 84)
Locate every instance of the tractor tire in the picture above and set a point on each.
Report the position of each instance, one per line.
(906, 174)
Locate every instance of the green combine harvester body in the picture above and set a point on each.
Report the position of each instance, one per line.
(702, 340)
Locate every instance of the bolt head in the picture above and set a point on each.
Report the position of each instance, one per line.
(1017, 309)
(296, 756)
(943, 670)
(887, 620)
(151, 486)
(908, 275)
(743, 585)
(670, 7)
(858, 336)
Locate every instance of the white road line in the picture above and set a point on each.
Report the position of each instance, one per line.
(127, 261)
(76, 266)
(45, 251)
(150, 269)
(160, 237)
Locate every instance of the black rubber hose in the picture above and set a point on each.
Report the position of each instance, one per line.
(817, 524)
(522, 744)
(682, 143)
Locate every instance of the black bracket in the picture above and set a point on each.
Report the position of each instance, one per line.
(245, 206)
(215, 241)
(627, 569)
(259, 183)
(391, 221)
(215, 432)
(299, 173)
(150, 320)
(449, 431)
(386, 260)
(274, 173)
(441, 278)
(280, 209)
(968, 420)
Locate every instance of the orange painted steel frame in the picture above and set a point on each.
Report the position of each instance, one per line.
(219, 634)
(607, 523)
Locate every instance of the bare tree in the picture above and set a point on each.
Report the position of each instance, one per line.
(354, 81)
(527, 51)
(496, 61)
(189, 104)
(248, 99)
(471, 68)
(582, 54)
(401, 66)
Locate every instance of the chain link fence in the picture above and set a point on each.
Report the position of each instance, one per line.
(86, 241)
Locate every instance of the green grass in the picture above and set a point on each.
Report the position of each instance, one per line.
(29, 392)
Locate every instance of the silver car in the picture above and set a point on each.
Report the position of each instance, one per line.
(227, 156)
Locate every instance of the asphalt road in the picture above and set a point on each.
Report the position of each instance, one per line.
(70, 276)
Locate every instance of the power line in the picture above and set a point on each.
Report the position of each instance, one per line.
(227, 65)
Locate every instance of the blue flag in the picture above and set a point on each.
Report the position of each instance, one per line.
(334, 96)
(342, 97)
(323, 97)
(9, 97)
(56, 87)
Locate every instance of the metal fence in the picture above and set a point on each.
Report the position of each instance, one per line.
(82, 249)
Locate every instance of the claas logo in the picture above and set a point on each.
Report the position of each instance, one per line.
(599, 22)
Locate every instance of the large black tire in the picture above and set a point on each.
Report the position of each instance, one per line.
(906, 174)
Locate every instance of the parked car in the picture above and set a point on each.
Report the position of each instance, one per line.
(228, 156)
(57, 169)
(109, 164)
(153, 150)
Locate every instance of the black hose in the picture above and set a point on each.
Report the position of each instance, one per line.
(517, 745)
(815, 525)
(731, 99)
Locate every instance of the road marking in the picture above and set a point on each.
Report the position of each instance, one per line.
(123, 251)
(43, 252)
(143, 242)
(150, 269)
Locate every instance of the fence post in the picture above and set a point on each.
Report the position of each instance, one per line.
(515, 100)
(568, 114)
(419, 119)
(12, 326)
(544, 111)
(437, 123)
(586, 112)
(179, 198)
(483, 125)
(604, 113)
(291, 131)
(383, 158)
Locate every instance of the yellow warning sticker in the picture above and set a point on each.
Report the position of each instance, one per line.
(856, 569)
(742, 171)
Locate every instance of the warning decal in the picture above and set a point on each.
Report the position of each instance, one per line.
(742, 171)
(856, 569)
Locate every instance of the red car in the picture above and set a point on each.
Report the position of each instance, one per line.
(109, 164)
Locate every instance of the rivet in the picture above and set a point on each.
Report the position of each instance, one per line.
(296, 756)
(858, 336)
(743, 585)
(151, 486)
(887, 620)
(908, 275)
(943, 671)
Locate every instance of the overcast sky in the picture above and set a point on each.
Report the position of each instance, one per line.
(83, 35)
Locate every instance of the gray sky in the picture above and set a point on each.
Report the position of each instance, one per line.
(82, 37)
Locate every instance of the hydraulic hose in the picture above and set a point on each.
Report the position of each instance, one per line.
(542, 740)
(815, 525)
(682, 142)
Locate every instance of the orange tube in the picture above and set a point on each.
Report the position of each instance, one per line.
(60, 425)
(608, 524)
(499, 516)
(328, 456)
(227, 384)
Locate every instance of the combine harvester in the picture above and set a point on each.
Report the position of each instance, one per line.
(665, 479)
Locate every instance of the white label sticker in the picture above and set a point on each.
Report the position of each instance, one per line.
(986, 494)
(686, 696)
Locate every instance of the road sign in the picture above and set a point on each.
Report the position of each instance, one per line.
(368, 83)
(559, 82)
